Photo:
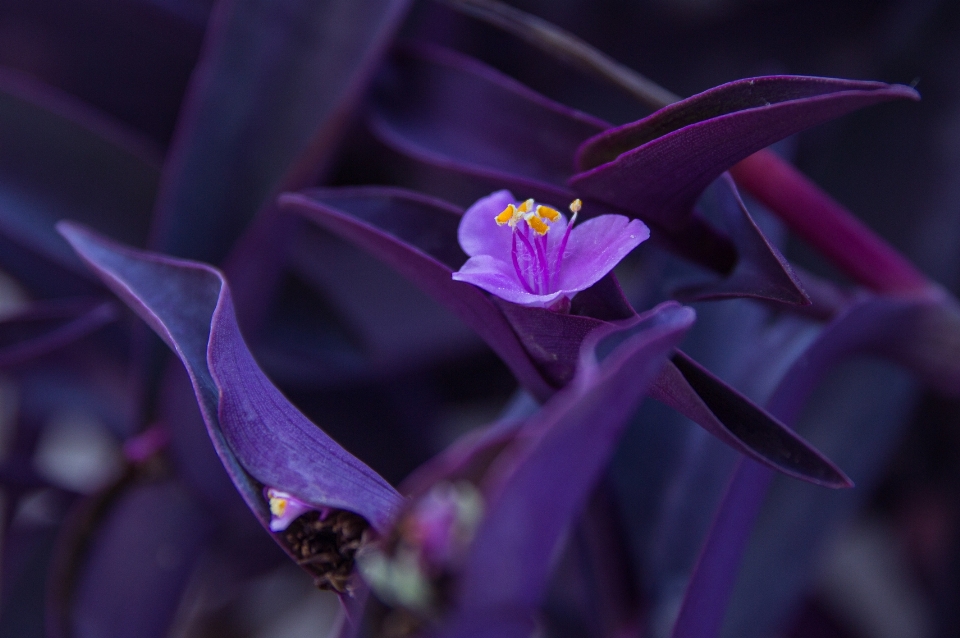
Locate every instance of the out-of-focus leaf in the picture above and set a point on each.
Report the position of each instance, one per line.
(455, 108)
(369, 318)
(43, 327)
(276, 85)
(857, 416)
(138, 564)
(131, 59)
(62, 159)
(869, 327)
(261, 437)
(657, 167)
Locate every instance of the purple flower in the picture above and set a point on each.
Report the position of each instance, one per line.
(285, 508)
(528, 254)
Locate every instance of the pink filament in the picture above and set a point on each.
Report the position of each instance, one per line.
(516, 264)
(534, 272)
(563, 244)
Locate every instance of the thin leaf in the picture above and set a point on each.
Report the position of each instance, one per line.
(62, 158)
(276, 84)
(43, 327)
(761, 271)
(658, 167)
(540, 483)
(261, 437)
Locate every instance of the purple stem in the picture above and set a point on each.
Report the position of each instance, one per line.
(825, 224)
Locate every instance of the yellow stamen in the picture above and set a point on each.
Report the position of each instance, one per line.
(507, 215)
(549, 213)
(526, 206)
(278, 505)
(538, 225)
(575, 206)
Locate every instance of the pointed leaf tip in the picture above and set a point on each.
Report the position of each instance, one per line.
(189, 305)
(658, 166)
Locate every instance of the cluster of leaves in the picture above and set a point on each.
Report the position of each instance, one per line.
(309, 198)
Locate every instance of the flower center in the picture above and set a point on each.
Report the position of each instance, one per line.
(535, 261)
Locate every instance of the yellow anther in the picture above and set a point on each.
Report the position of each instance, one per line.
(538, 225)
(278, 505)
(508, 214)
(575, 206)
(526, 206)
(547, 212)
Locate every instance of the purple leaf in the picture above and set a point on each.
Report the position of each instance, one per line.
(137, 565)
(276, 84)
(538, 485)
(658, 167)
(760, 271)
(453, 106)
(258, 434)
(43, 327)
(61, 159)
(131, 61)
(369, 320)
(697, 394)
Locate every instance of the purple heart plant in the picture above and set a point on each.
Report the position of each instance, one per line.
(471, 327)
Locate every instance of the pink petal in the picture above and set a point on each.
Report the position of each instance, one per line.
(479, 233)
(596, 246)
(498, 278)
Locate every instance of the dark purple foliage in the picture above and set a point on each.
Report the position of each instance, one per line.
(399, 252)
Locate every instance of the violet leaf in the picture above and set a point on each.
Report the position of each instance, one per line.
(277, 81)
(693, 391)
(132, 61)
(369, 317)
(261, 437)
(453, 106)
(658, 167)
(61, 159)
(43, 327)
(542, 480)
(137, 565)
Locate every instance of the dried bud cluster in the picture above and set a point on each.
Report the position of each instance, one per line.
(327, 546)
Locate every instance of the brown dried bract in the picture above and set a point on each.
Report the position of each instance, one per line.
(326, 548)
